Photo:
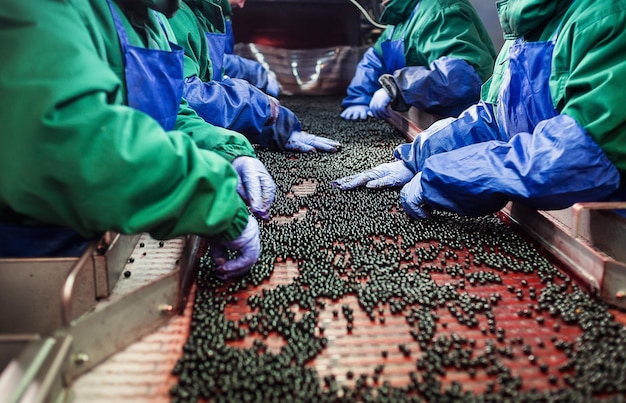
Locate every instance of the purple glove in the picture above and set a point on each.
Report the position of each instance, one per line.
(255, 186)
(378, 104)
(385, 175)
(308, 143)
(412, 200)
(248, 249)
(356, 112)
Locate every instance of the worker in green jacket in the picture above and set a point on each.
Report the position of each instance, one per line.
(230, 102)
(240, 67)
(88, 144)
(434, 55)
(550, 130)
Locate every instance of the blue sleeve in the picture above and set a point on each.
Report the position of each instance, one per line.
(554, 167)
(252, 71)
(365, 80)
(235, 104)
(445, 88)
(476, 124)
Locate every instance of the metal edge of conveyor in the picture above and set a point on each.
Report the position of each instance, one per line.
(111, 327)
(35, 374)
(412, 122)
(603, 275)
(29, 299)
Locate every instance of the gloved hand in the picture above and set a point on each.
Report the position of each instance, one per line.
(356, 112)
(255, 186)
(385, 175)
(273, 87)
(378, 104)
(308, 143)
(248, 249)
(412, 200)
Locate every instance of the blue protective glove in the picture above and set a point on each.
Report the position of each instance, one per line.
(356, 112)
(273, 87)
(255, 186)
(385, 175)
(412, 200)
(308, 143)
(378, 104)
(247, 247)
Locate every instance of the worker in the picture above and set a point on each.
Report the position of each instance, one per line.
(240, 67)
(549, 132)
(95, 137)
(434, 55)
(228, 102)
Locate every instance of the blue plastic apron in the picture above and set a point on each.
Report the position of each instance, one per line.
(524, 99)
(154, 77)
(230, 40)
(217, 46)
(393, 51)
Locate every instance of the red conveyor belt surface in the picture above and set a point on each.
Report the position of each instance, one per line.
(361, 350)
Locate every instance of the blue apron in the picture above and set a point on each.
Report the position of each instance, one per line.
(23, 241)
(154, 77)
(217, 45)
(230, 40)
(154, 80)
(393, 51)
(524, 99)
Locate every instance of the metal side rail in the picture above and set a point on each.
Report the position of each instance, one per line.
(412, 122)
(34, 375)
(30, 287)
(152, 287)
(588, 238)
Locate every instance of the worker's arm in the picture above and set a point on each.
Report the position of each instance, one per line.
(253, 72)
(555, 166)
(365, 80)
(72, 154)
(445, 88)
(474, 125)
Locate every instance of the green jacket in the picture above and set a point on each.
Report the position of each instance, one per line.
(73, 154)
(440, 28)
(190, 25)
(588, 65)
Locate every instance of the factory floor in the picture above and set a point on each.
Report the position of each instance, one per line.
(354, 301)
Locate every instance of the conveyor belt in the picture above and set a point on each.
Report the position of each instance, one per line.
(353, 301)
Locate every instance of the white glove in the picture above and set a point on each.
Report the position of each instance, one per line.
(356, 112)
(308, 143)
(412, 200)
(379, 103)
(389, 174)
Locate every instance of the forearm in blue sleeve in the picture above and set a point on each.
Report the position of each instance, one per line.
(474, 125)
(365, 80)
(556, 166)
(445, 88)
(250, 70)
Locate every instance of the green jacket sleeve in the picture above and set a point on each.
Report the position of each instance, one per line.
(589, 75)
(73, 154)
